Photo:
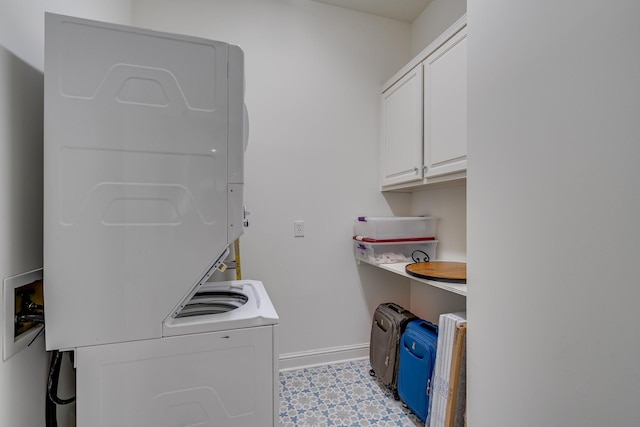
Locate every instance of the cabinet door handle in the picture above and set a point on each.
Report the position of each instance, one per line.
(415, 170)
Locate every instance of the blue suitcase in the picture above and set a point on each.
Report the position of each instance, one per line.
(417, 359)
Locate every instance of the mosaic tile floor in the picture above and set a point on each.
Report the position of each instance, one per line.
(339, 395)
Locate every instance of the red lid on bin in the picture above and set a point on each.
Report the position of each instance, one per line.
(411, 239)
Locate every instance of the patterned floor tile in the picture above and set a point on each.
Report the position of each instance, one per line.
(340, 395)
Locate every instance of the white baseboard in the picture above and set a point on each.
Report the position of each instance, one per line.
(323, 356)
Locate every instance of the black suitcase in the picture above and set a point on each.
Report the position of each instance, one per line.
(389, 322)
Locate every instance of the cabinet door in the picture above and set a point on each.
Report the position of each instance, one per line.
(401, 142)
(445, 108)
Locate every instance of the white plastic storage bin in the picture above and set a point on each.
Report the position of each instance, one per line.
(395, 252)
(395, 227)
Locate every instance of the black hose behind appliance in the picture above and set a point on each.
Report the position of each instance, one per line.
(52, 388)
(34, 313)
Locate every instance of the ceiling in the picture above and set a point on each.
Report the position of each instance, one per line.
(402, 10)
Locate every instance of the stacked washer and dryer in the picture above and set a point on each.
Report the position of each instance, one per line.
(144, 145)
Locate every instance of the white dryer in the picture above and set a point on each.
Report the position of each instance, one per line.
(144, 145)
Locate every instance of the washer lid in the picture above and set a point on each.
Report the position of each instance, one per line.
(218, 306)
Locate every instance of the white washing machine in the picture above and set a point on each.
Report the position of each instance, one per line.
(145, 134)
(217, 365)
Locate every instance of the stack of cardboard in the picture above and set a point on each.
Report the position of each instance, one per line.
(449, 380)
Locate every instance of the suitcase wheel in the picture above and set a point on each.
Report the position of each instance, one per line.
(372, 372)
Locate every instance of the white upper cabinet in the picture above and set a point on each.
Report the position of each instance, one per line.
(445, 108)
(401, 148)
(424, 115)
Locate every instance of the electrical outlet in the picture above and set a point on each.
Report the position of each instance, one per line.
(298, 228)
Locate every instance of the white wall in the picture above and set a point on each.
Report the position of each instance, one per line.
(433, 21)
(22, 22)
(449, 205)
(313, 74)
(553, 208)
(23, 376)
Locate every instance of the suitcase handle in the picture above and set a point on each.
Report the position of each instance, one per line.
(396, 308)
(429, 326)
